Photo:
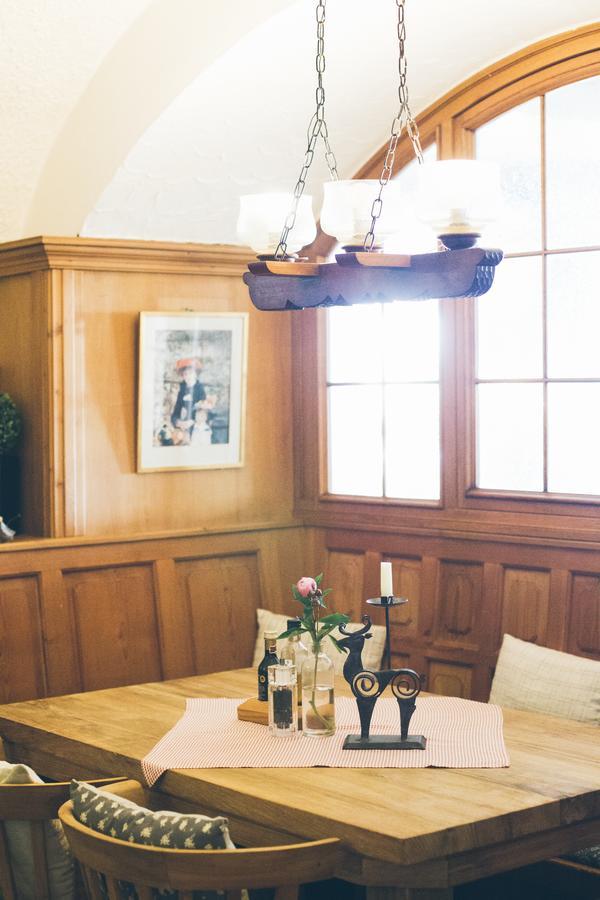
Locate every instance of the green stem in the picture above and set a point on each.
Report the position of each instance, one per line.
(313, 701)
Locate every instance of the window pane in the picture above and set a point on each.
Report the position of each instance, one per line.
(354, 352)
(574, 438)
(513, 140)
(573, 315)
(510, 322)
(510, 437)
(413, 236)
(412, 442)
(355, 440)
(572, 170)
(411, 341)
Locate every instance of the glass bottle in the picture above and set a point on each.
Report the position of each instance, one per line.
(318, 707)
(283, 700)
(269, 659)
(295, 652)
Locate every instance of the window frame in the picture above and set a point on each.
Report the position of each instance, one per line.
(451, 123)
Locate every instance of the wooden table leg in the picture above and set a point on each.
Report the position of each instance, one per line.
(391, 893)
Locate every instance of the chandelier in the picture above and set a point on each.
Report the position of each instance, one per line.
(456, 198)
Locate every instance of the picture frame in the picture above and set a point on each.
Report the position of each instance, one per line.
(191, 390)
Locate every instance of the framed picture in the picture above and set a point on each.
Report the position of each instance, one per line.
(191, 392)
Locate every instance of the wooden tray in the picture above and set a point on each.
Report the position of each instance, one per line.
(257, 711)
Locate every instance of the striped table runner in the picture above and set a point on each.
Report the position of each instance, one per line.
(460, 734)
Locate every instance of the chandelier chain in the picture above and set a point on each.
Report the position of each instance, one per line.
(317, 127)
(403, 119)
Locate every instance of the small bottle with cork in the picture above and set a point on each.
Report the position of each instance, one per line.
(269, 659)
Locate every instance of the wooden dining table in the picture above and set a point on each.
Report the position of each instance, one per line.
(409, 833)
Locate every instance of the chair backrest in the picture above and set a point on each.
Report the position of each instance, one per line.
(188, 870)
(36, 804)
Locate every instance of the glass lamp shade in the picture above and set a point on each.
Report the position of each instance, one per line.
(262, 217)
(458, 197)
(346, 213)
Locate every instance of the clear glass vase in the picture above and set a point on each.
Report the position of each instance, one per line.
(318, 709)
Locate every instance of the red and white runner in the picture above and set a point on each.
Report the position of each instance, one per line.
(460, 734)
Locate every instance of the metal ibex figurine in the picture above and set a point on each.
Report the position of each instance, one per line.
(368, 686)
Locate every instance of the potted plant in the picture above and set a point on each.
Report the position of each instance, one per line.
(10, 432)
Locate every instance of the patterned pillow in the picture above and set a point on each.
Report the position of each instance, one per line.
(371, 656)
(122, 819)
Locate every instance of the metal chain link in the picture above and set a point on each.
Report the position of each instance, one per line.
(403, 119)
(316, 127)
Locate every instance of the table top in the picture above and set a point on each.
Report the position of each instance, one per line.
(455, 824)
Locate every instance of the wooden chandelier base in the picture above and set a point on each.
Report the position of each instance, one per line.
(371, 278)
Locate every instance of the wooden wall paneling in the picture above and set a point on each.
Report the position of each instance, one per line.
(174, 613)
(63, 670)
(525, 604)
(458, 620)
(558, 608)
(406, 578)
(22, 670)
(24, 301)
(584, 615)
(282, 561)
(102, 350)
(345, 574)
(222, 595)
(451, 679)
(116, 625)
(428, 596)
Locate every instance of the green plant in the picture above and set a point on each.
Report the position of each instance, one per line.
(10, 424)
(308, 592)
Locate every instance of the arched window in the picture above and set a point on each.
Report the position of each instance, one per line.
(491, 404)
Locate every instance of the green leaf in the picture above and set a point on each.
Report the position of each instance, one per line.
(290, 631)
(319, 579)
(335, 618)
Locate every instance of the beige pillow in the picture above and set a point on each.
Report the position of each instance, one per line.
(371, 656)
(546, 681)
(61, 873)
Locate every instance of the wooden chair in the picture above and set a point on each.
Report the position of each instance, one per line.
(36, 804)
(188, 870)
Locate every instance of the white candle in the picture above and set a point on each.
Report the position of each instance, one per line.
(386, 580)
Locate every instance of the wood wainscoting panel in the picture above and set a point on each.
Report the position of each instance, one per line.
(345, 574)
(464, 595)
(584, 616)
(450, 679)
(115, 618)
(525, 604)
(460, 597)
(220, 597)
(22, 670)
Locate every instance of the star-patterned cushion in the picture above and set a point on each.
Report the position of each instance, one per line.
(120, 818)
(124, 820)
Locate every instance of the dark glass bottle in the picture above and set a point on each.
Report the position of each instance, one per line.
(269, 659)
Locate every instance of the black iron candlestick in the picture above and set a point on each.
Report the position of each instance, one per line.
(367, 687)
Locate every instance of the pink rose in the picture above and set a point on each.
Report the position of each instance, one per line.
(306, 586)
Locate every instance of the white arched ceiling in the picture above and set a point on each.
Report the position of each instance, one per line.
(48, 52)
(166, 47)
(148, 118)
(240, 126)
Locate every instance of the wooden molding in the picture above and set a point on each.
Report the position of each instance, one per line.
(100, 254)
